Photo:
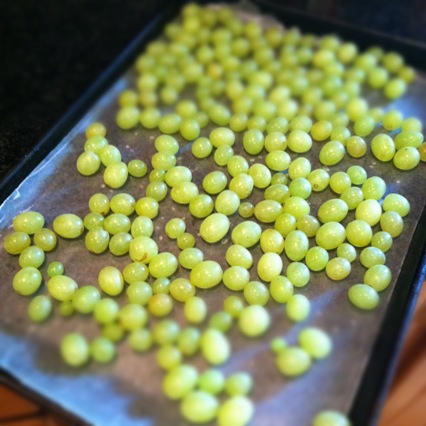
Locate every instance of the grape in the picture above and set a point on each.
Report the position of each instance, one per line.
(332, 153)
(85, 299)
(382, 240)
(363, 296)
(352, 196)
(316, 258)
(31, 256)
(347, 251)
(140, 340)
(110, 280)
(296, 206)
(215, 346)
(201, 205)
(378, 276)
(256, 293)
(239, 383)
(88, 163)
(235, 411)
(211, 381)
(334, 210)
(109, 154)
(369, 211)
(102, 350)
(330, 235)
(168, 357)
(359, 233)
(371, 256)
(293, 361)
(105, 311)
(392, 223)
(164, 264)
(95, 129)
(68, 225)
(137, 168)
(406, 158)
(236, 278)
(338, 268)
(180, 381)
(298, 307)
(75, 349)
(397, 203)
(195, 310)
(383, 147)
(246, 233)
(298, 274)
(143, 249)
(43, 238)
(199, 407)
(184, 192)
(206, 274)
(28, 222)
(260, 174)
(237, 255)
(319, 179)
(227, 202)
(214, 227)
(254, 320)
(177, 174)
(190, 257)
(242, 184)
(299, 141)
(315, 342)
(115, 174)
(135, 271)
(40, 308)
(330, 418)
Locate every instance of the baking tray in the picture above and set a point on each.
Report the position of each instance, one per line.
(366, 344)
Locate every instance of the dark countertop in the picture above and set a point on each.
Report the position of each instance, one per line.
(53, 52)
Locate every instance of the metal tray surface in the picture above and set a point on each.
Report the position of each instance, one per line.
(128, 391)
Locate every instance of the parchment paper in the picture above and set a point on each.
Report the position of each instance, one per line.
(128, 391)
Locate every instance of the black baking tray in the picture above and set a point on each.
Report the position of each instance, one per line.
(379, 370)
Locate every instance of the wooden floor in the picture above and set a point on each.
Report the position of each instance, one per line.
(405, 405)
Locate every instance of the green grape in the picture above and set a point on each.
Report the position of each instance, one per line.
(113, 332)
(359, 233)
(88, 163)
(356, 146)
(316, 258)
(242, 185)
(253, 141)
(374, 188)
(178, 174)
(285, 224)
(256, 293)
(215, 347)
(281, 289)
(296, 245)
(180, 381)
(160, 304)
(190, 257)
(357, 174)
(28, 222)
(109, 154)
(397, 203)
(99, 203)
(168, 357)
(189, 129)
(298, 307)
(319, 179)
(184, 192)
(300, 187)
(214, 227)
(299, 141)
(267, 211)
(412, 123)
(254, 320)
(188, 341)
(175, 227)
(116, 223)
(356, 108)
(260, 174)
(93, 220)
(147, 206)
(135, 271)
(235, 411)
(382, 240)
(201, 148)
(95, 129)
(61, 287)
(371, 256)
(246, 234)
(378, 276)
(137, 168)
(199, 407)
(223, 154)
(340, 134)
(206, 274)
(392, 223)
(40, 308)
(55, 268)
(164, 264)
(66, 309)
(43, 238)
(236, 165)
(334, 210)
(246, 209)
(277, 192)
(157, 190)
(165, 332)
(383, 147)
(278, 160)
(186, 240)
(296, 206)
(95, 143)
(338, 268)
(140, 340)
(271, 241)
(222, 136)
(332, 153)
(406, 158)
(377, 77)
(195, 310)
(105, 311)
(85, 298)
(142, 227)
(392, 120)
(298, 274)
(321, 130)
(395, 88)
(364, 125)
(237, 255)
(201, 205)
(181, 289)
(236, 278)
(161, 285)
(115, 175)
(68, 225)
(75, 349)
(119, 244)
(110, 280)
(352, 196)
(211, 381)
(143, 249)
(278, 345)
(31, 256)
(330, 418)
(239, 383)
(227, 202)
(169, 123)
(369, 211)
(293, 361)
(163, 160)
(275, 141)
(346, 251)
(315, 342)
(363, 296)
(102, 350)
